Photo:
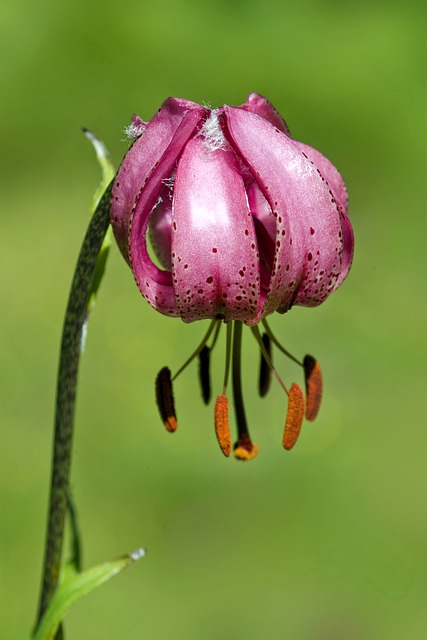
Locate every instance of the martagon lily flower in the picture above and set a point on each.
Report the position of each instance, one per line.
(242, 220)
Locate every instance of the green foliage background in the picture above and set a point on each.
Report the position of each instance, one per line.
(326, 542)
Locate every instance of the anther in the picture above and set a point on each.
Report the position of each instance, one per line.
(245, 449)
(294, 416)
(165, 401)
(313, 386)
(222, 427)
(204, 374)
(265, 369)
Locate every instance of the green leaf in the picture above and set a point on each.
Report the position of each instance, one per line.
(108, 174)
(105, 163)
(76, 585)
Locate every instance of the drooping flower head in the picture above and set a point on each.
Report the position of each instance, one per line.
(243, 221)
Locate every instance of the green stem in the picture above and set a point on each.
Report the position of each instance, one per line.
(75, 317)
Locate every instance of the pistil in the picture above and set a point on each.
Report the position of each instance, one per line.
(244, 449)
(264, 368)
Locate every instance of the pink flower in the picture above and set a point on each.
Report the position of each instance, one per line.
(243, 219)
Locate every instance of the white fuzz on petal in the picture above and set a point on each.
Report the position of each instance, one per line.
(135, 129)
(212, 134)
(169, 182)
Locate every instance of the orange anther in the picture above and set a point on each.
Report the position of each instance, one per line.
(171, 424)
(294, 416)
(313, 386)
(222, 427)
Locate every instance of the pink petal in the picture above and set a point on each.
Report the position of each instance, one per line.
(139, 161)
(256, 103)
(307, 260)
(172, 135)
(160, 230)
(261, 209)
(214, 253)
(338, 188)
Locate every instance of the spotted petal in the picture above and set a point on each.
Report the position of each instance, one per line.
(139, 161)
(214, 253)
(338, 188)
(154, 283)
(307, 259)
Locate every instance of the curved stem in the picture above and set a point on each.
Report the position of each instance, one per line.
(75, 317)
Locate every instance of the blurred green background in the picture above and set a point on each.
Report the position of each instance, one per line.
(326, 542)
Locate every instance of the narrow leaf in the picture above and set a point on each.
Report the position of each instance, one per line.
(108, 173)
(77, 585)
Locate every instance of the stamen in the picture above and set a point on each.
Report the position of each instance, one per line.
(264, 369)
(227, 356)
(244, 449)
(216, 334)
(165, 401)
(204, 364)
(278, 345)
(294, 416)
(198, 350)
(313, 386)
(204, 373)
(256, 332)
(222, 426)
